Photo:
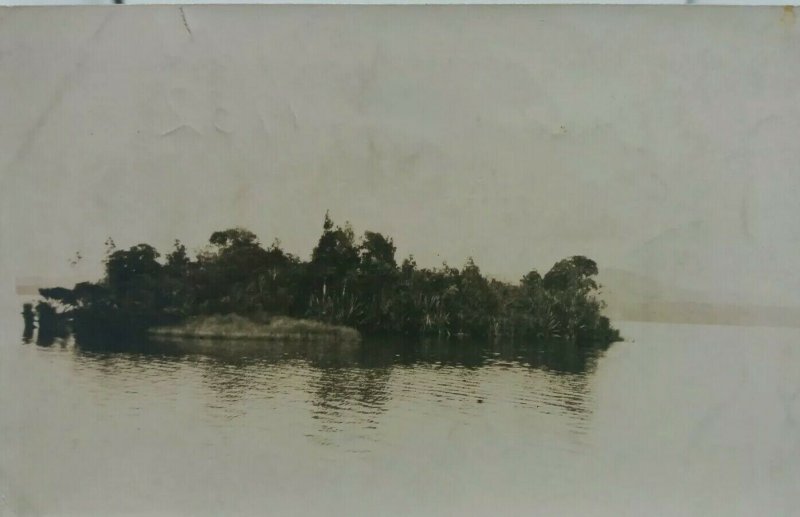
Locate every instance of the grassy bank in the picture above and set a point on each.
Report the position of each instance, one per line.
(233, 326)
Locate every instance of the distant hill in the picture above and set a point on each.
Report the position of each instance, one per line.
(638, 298)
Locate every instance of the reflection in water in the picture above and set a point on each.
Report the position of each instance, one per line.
(340, 396)
(44, 340)
(390, 427)
(558, 358)
(348, 398)
(347, 387)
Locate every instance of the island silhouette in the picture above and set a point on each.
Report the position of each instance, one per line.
(238, 288)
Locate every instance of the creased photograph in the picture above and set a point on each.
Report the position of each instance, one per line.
(399, 260)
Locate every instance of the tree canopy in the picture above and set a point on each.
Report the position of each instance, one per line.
(348, 281)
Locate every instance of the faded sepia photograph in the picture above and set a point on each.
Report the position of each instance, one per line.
(399, 260)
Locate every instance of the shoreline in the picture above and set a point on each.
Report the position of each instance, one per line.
(236, 327)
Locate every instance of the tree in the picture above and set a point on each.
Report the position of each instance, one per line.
(178, 260)
(227, 279)
(124, 267)
(233, 238)
(62, 295)
(571, 285)
(280, 282)
(377, 252)
(377, 273)
(335, 257)
(472, 301)
(572, 273)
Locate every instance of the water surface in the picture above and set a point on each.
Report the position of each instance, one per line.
(679, 420)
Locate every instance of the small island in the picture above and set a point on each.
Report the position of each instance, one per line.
(236, 288)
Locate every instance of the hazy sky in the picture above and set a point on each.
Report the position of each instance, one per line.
(662, 141)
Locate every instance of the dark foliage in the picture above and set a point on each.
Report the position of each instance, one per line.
(29, 316)
(349, 282)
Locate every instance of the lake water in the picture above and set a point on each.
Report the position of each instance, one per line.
(678, 420)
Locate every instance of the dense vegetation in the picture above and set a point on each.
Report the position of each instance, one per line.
(350, 282)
